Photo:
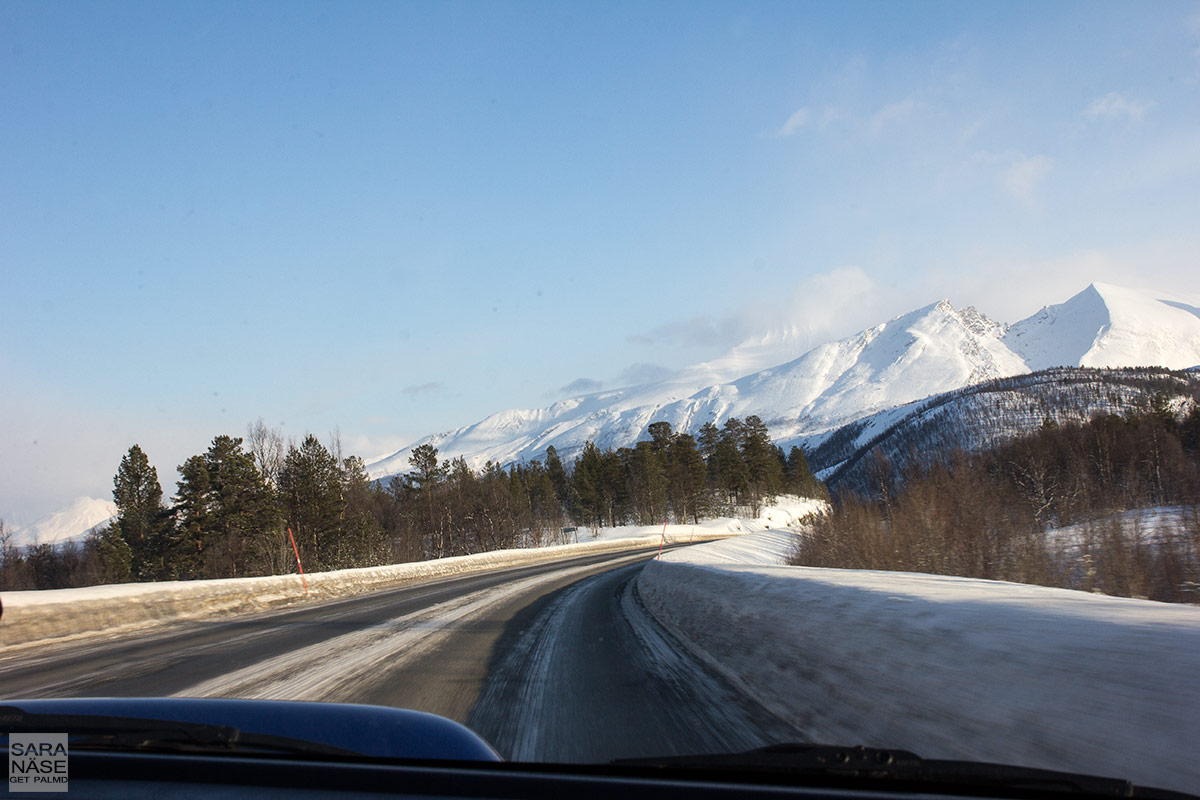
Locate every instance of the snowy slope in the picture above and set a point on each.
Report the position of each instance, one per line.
(70, 524)
(609, 418)
(925, 352)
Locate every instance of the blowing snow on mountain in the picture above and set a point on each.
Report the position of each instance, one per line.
(931, 350)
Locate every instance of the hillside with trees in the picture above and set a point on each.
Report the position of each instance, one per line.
(1047, 508)
(988, 414)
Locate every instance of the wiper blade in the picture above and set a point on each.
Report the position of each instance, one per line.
(105, 732)
(840, 765)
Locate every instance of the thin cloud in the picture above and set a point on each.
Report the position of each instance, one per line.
(581, 386)
(1116, 105)
(419, 390)
(795, 123)
(829, 115)
(642, 373)
(698, 331)
(822, 307)
(1024, 175)
(892, 114)
(636, 374)
(372, 448)
(827, 306)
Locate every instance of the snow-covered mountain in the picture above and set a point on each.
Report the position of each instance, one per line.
(69, 524)
(931, 350)
(1110, 326)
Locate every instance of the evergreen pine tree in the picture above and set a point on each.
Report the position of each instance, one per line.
(191, 508)
(243, 512)
(660, 438)
(800, 478)
(587, 487)
(730, 468)
(647, 481)
(310, 490)
(687, 474)
(225, 514)
(362, 541)
(558, 476)
(709, 438)
(764, 475)
(113, 557)
(140, 518)
(428, 475)
(616, 498)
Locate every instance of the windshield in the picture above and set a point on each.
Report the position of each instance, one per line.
(619, 380)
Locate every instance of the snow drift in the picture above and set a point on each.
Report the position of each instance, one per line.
(945, 667)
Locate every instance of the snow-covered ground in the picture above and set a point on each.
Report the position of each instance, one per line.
(946, 667)
(1145, 524)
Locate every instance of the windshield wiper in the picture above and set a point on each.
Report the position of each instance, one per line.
(902, 769)
(104, 732)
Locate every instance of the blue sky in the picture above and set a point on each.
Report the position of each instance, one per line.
(396, 218)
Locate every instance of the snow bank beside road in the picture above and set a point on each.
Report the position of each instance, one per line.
(116, 609)
(946, 667)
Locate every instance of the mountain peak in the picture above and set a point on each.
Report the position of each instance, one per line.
(979, 323)
(927, 351)
(68, 524)
(1110, 325)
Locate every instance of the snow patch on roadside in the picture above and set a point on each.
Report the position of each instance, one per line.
(946, 667)
(786, 511)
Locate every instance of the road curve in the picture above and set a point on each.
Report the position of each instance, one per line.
(586, 675)
(550, 662)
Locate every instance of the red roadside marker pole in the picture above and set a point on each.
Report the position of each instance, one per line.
(662, 540)
(296, 550)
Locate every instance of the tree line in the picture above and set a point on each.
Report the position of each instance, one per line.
(1044, 508)
(688, 478)
(239, 505)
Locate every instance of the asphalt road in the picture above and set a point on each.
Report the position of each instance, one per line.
(550, 662)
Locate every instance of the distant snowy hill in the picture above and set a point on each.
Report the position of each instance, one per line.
(929, 351)
(70, 524)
